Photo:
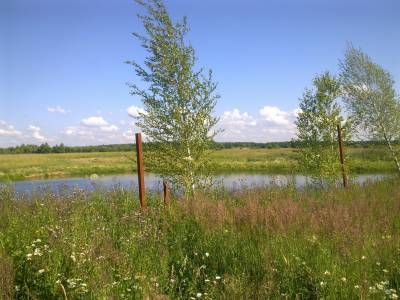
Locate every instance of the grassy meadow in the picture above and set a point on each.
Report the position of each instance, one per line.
(257, 243)
(273, 161)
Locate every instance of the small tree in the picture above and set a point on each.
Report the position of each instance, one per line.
(370, 97)
(178, 100)
(317, 129)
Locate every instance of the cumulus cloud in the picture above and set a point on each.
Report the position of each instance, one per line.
(274, 115)
(271, 124)
(235, 117)
(36, 133)
(93, 130)
(57, 109)
(135, 111)
(109, 128)
(7, 130)
(94, 122)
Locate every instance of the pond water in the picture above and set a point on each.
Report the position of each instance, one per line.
(154, 183)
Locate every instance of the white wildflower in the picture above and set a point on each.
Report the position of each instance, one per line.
(37, 252)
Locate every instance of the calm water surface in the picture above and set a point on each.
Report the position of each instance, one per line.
(153, 182)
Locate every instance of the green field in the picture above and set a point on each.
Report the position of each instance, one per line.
(266, 243)
(274, 161)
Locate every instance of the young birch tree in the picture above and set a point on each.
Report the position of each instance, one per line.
(317, 130)
(370, 97)
(178, 100)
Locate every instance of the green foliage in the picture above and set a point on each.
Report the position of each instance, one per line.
(178, 101)
(371, 99)
(317, 129)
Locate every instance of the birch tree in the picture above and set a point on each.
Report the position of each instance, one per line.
(320, 113)
(371, 99)
(178, 100)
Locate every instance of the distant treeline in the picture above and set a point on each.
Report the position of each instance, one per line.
(61, 148)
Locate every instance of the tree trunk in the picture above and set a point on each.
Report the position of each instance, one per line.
(393, 152)
(387, 140)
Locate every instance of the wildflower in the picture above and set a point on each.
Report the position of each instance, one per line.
(393, 296)
(38, 241)
(356, 286)
(207, 254)
(378, 263)
(206, 280)
(327, 273)
(218, 277)
(17, 288)
(363, 257)
(41, 271)
(29, 256)
(198, 295)
(37, 252)
(322, 284)
(385, 271)
(344, 279)
(379, 286)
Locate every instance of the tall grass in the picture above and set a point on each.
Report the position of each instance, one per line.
(255, 243)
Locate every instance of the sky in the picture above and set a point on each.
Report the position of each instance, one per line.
(63, 76)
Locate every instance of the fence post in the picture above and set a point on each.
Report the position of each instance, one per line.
(341, 151)
(165, 192)
(140, 169)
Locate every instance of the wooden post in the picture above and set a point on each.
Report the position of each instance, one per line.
(165, 192)
(341, 151)
(140, 169)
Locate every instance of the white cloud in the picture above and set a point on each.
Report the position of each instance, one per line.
(274, 115)
(110, 128)
(135, 111)
(36, 133)
(234, 117)
(94, 122)
(272, 124)
(8, 130)
(93, 130)
(129, 135)
(57, 109)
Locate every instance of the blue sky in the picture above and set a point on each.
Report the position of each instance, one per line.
(63, 76)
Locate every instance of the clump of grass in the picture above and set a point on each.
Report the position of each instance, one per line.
(255, 243)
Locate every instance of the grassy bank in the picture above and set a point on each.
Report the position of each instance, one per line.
(273, 161)
(254, 244)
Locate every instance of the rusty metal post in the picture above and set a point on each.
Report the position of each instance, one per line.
(341, 151)
(165, 192)
(140, 169)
